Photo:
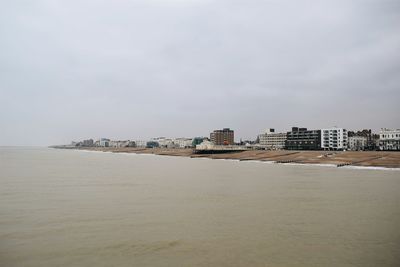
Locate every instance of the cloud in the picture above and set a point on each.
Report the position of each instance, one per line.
(137, 69)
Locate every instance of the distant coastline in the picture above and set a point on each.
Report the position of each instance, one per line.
(372, 159)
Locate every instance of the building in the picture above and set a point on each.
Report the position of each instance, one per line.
(222, 137)
(372, 139)
(303, 139)
(271, 140)
(357, 143)
(389, 139)
(164, 142)
(334, 139)
(115, 143)
(152, 144)
(104, 142)
(88, 142)
(198, 140)
(207, 147)
(141, 143)
(131, 144)
(183, 142)
(125, 143)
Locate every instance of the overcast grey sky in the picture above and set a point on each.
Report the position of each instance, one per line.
(76, 69)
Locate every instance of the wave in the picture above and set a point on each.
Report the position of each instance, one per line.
(370, 168)
(311, 164)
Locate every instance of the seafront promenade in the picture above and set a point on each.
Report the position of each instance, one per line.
(383, 159)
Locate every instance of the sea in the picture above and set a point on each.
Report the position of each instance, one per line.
(62, 207)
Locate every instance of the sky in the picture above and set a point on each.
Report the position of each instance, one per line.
(78, 69)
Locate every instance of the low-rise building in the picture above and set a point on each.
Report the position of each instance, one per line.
(357, 143)
(208, 147)
(152, 144)
(334, 139)
(164, 142)
(389, 139)
(131, 143)
(271, 140)
(198, 140)
(303, 139)
(183, 142)
(141, 143)
(125, 143)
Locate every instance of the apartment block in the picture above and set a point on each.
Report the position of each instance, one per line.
(389, 139)
(303, 139)
(222, 137)
(357, 143)
(334, 139)
(272, 140)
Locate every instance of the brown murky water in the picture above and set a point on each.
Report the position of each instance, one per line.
(75, 208)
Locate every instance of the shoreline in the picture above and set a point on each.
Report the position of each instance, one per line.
(385, 160)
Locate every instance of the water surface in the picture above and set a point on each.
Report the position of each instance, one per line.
(76, 208)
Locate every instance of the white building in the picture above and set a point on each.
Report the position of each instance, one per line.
(272, 140)
(357, 143)
(205, 145)
(183, 142)
(141, 143)
(124, 143)
(208, 145)
(173, 143)
(104, 142)
(334, 139)
(164, 142)
(115, 143)
(389, 139)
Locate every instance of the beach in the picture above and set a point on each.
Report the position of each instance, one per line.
(376, 159)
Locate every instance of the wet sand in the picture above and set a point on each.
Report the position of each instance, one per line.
(385, 159)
